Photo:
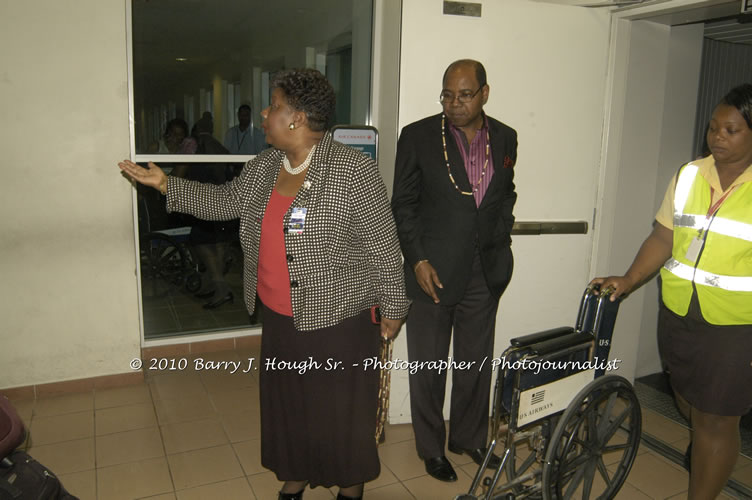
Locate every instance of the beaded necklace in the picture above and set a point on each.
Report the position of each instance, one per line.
(449, 170)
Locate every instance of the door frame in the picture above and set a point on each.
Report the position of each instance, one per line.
(621, 222)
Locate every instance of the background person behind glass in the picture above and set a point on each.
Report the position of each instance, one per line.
(244, 139)
(702, 243)
(320, 248)
(210, 239)
(175, 139)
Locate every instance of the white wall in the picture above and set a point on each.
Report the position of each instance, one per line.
(677, 132)
(385, 83)
(650, 122)
(627, 201)
(546, 69)
(68, 299)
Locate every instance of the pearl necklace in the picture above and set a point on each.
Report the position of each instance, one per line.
(299, 168)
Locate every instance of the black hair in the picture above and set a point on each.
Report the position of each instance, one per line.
(740, 97)
(480, 71)
(244, 106)
(176, 122)
(309, 91)
(204, 125)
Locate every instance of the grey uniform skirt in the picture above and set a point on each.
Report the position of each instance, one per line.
(710, 365)
(318, 421)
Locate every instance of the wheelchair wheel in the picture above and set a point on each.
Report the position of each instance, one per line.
(163, 264)
(514, 468)
(520, 467)
(193, 282)
(595, 442)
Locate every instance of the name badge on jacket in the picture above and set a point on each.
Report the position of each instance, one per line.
(297, 220)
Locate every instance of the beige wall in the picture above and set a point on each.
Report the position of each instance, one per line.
(547, 68)
(68, 301)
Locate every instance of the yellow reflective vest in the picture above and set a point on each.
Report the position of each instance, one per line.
(719, 263)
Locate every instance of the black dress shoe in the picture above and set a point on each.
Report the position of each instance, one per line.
(441, 469)
(291, 496)
(477, 455)
(204, 295)
(222, 300)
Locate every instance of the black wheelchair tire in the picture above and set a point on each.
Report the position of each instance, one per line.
(163, 263)
(586, 430)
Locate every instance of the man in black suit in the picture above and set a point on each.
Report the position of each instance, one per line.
(452, 201)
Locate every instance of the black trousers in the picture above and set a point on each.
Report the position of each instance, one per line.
(429, 331)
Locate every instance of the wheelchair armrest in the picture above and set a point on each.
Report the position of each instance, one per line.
(535, 338)
(559, 343)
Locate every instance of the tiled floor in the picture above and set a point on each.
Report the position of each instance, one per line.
(195, 435)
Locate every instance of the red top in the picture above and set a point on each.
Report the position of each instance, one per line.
(273, 277)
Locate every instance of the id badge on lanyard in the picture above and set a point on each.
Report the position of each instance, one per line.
(693, 252)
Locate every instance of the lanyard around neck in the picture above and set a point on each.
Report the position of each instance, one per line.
(713, 209)
(240, 138)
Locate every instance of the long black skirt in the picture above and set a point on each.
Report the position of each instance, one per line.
(318, 403)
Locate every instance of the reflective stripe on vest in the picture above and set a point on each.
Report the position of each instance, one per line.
(730, 283)
(727, 227)
(683, 185)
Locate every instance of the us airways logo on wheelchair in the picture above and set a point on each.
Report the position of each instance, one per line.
(533, 412)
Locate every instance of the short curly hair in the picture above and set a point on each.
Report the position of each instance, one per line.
(309, 91)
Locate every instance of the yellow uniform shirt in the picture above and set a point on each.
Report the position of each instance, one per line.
(665, 215)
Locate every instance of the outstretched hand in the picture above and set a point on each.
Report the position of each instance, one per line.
(152, 176)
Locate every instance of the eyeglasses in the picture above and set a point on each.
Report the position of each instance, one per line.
(464, 97)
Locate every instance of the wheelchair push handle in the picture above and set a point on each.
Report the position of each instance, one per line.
(588, 304)
(597, 315)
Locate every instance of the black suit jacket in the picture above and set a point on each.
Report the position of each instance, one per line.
(436, 222)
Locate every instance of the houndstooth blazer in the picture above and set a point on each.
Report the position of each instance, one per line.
(347, 257)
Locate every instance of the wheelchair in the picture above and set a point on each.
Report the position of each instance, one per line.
(568, 429)
(167, 263)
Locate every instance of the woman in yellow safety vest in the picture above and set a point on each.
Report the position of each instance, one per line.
(702, 244)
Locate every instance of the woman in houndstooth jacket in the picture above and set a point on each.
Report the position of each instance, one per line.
(320, 249)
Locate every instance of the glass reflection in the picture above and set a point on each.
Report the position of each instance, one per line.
(191, 269)
(218, 56)
(201, 73)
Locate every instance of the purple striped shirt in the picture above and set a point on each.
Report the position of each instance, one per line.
(474, 158)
